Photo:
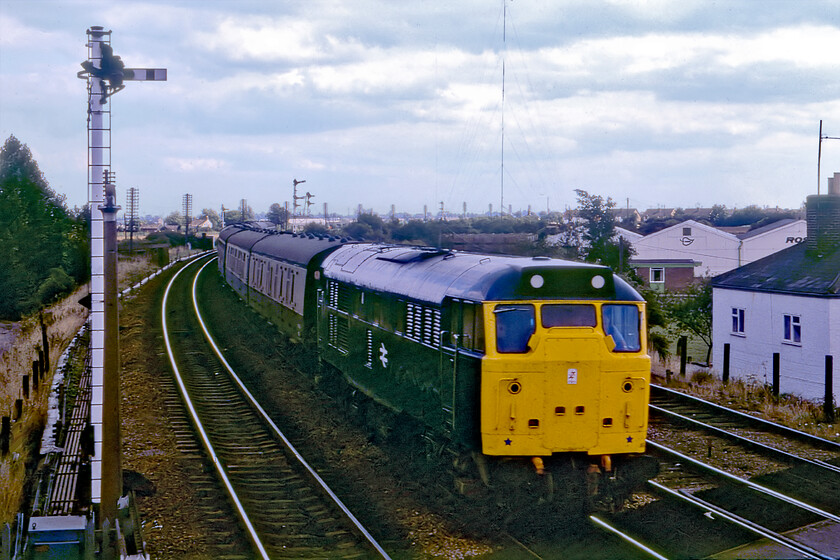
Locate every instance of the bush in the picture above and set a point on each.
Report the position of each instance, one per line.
(57, 284)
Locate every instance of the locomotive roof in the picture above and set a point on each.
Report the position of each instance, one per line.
(431, 275)
(298, 249)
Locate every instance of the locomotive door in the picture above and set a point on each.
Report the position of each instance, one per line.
(448, 368)
(462, 344)
(571, 393)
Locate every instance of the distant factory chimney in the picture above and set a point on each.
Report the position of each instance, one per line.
(823, 215)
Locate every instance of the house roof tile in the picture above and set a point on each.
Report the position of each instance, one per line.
(795, 270)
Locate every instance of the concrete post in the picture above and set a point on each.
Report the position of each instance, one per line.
(111, 440)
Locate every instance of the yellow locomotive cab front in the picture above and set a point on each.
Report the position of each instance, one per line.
(568, 376)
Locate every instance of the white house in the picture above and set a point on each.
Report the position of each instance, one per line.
(786, 303)
(714, 251)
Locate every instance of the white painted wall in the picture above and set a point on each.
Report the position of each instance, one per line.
(751, 356)
(760, 246)
(716, 250)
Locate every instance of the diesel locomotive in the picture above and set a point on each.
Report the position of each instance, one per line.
(533, 371)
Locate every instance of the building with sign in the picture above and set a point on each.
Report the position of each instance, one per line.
(672, 257)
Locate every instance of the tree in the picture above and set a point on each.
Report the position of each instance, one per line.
(277, 214)
(691, 311)
(369, 227)
(599, 219)
(37, 233)
(718, 214)
(657, 323)
(174, 219)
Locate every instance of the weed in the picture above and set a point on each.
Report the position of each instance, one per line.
(755, 397)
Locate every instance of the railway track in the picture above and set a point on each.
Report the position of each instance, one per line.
(727, 480)
(689, 507)
(779, 441)
(284, 510)
(792, 462)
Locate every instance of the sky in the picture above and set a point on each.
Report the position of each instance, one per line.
(436, 103)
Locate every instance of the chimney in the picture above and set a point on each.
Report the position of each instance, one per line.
(834, 184)
(822, 213)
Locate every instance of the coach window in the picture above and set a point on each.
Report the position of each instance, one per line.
(514, 326)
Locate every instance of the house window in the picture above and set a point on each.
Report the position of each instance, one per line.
(687, 231)
(657, 275)
(737, 321)
(793, 329)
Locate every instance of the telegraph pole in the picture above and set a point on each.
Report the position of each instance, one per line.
(105, 74)
(133, 217)
(187, 212)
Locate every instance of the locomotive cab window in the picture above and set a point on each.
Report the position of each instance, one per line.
(514, 326)
(621, 322)
(568, 315)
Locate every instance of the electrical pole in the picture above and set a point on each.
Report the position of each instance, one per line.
(132, 215)
(187, 199)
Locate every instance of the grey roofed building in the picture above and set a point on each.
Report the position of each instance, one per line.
(786, 307)
(794, 270)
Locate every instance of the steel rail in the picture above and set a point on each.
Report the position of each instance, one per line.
(243, 515)
(769, 448)
(760, 530)
(753, 419)
(624, 536)
(267, 419)
(745, 482)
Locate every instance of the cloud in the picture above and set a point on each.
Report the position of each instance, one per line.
(195, 164)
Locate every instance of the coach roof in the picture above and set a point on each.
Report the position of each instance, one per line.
(430, 275)
(297, 249)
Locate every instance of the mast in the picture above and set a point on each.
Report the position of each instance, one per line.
(504, 49)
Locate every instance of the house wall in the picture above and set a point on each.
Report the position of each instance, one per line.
(715, 250)
(802, 366)
(760, 246)
(676, 278)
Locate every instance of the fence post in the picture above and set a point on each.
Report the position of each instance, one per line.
(726, 350)
(6, 543)
(35, 376)
(683, 350)
(18, 408)
(25, 381)
(45, 341)
(107, 541)
(829, 388)
(5, 435)
(776, 374)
